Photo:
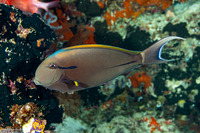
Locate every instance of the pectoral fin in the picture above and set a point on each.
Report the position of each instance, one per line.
(75, 85)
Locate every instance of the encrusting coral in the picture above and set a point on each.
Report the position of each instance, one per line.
(131, 8)
(21, 114)
(141, 77)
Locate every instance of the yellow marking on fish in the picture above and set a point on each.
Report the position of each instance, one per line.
(103, 46)
(76, 83)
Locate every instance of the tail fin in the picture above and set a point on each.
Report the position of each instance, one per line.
(153, 53)
(47, 5)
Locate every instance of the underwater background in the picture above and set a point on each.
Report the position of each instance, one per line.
(155, 98)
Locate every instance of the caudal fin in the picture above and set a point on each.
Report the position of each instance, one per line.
(47, 5)
(153, 53)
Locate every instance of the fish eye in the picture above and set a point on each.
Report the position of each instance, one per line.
(52, 66)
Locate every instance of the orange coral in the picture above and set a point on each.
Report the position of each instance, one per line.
(63, 33)
(127, 12)
(154, 125)
(182, 0)
(141, 77)
(107, 105)
(159, 3)
(133, 8)
(101, 4)
(62, 23)
(90, 37)
(84, 35)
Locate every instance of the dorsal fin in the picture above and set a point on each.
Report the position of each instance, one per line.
(104, 47)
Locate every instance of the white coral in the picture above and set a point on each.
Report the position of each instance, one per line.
(70, 125)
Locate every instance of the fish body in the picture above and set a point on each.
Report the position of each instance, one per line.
(31, 6)
(84, 66)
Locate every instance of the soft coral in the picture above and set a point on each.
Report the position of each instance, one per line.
(31, 6)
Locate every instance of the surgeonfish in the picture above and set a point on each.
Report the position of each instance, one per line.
(85, 66)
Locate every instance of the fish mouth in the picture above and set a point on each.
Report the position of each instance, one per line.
(36, 81)
(39, 83)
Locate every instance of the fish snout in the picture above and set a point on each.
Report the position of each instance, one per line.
(36, 82)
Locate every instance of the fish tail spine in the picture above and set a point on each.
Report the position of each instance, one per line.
(152, 54)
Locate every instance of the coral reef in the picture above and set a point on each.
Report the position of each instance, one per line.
(20, 56)
(70, 103)
(34, 125)
(141, 77)
(173, 90)
(137, 124)
(130, 9)
(152, 98)
(70, 125)
(21, 114)
(67, 18)
(30, 6)
(170, 89)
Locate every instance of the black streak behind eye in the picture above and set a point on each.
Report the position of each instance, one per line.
(70, 67)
